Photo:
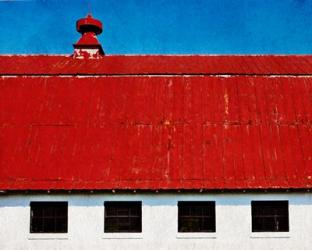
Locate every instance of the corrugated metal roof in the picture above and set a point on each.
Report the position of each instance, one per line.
(250, 65)
(245, 131)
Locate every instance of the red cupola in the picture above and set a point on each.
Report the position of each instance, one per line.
(88, 45)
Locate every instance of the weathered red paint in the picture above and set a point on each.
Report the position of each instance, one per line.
(132, 65)
(185, 127)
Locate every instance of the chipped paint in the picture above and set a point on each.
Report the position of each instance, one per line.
(226, 102)
(89, 53)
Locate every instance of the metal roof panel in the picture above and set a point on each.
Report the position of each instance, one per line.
(155, 132)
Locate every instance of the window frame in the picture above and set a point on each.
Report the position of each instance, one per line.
(197, 233)
(132, 233)
(278, 203)
(45, 204)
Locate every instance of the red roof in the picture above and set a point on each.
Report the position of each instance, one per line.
(153, 64)
(155, 122)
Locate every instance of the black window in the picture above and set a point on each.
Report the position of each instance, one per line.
(196, 216)
(48, 217)
(123, 217)
(269, 216)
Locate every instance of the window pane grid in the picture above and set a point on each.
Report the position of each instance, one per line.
(48, 217)
(123, 217)
(196, 216)
(270, 216)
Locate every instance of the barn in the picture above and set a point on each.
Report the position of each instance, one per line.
(155, 151)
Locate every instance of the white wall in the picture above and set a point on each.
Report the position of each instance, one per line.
(159, 212)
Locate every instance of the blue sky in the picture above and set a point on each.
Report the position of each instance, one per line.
(161, 27)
